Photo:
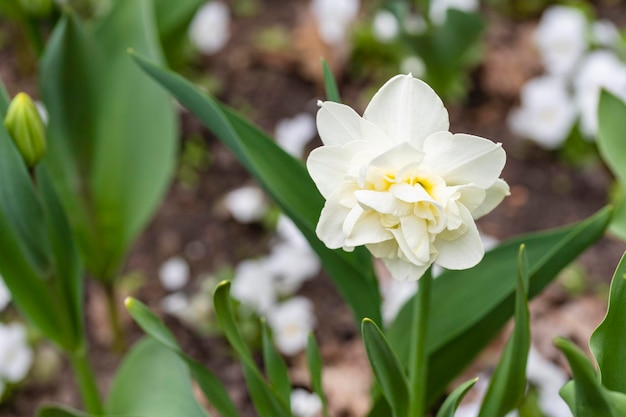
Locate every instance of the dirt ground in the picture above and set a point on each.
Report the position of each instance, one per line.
(545, 192)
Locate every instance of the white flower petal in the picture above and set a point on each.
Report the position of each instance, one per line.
(368, 230)
(493, 196)
(398, 156)
(407, 110)
(382, 202)
(463, 159)
(463, 252)
(338, 124)
(327, 166)
(402, 270)
(330, 225)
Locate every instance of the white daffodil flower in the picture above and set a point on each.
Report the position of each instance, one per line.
(561, 38)
(16, 357)
(305, 403)
(546, 114)
(209, 30)
(291, 322)
(397, 181)
(253, 285)
(600, 69)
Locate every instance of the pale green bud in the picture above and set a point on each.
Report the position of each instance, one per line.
(26, 128)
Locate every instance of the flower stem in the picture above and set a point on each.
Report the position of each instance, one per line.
(86, 381)
(119, 344)
(418, 361)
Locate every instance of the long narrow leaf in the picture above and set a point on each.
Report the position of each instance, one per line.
(314, 363)
(453, 400)
(387, 368)
(469, 307)
(609, 339)
(286, 180)
(275, 367)
(4, 101)
(508, 383)
(332, 92)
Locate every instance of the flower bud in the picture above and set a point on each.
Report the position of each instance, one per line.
(26, 128)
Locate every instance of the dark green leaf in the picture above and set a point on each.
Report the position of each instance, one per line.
(453, 400)
(265, 401)
(151, 324)
(153, 381)
(508, 383)
(172, 16)
(611, 115)
(386, 367)
(469, 307)
(60, 411)
(287, 181)
(609, 339)
(591, 399)
(332, 92)
(275, 367)
(314, 363)
(4, 100)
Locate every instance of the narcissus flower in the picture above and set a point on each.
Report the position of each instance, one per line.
(397, 181)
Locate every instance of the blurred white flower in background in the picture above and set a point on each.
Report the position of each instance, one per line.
(305, 403)
(333, 18)
(546, 114)
(600, 69)
(253, 285)
(385, 26)
(561, 38)
(246, 204)
(413, 64)
(293, 134)
(209, 30)
(605, 33)
(5, 295)
(175, 304)
(397, 181)
(287, 231)
(290, 266)
(174, 273)
(16, 356)
(439, 8)
(291, 322)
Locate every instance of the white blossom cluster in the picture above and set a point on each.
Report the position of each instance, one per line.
(579, 58)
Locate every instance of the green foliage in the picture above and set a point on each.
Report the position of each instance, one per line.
(153, 381)
(508, 383)
(295, 192)
(39, 262)
(60, 411)
(173, 18)
(469, 307)
(611, 114)
(110, 158)
(330, 84)
(453, 400)
(387, 369)
(314, 363)
(275, 367)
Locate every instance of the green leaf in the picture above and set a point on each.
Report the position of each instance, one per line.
(275, 367)
(153, 381)
(266, 401)
(609, 339)
(172, 17)
(314, 363)
(469, 307)
(386, 367)
(508, 384)
(210, 385)
(296, 193)
(453, 400)
(611, 114)
(591, 399)
(332, 92)
(84, 72)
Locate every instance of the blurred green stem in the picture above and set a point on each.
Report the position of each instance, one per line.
(418, 362)
(119, 343)
(86, 381)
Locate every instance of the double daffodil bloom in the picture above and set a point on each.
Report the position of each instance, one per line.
(397, 181)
